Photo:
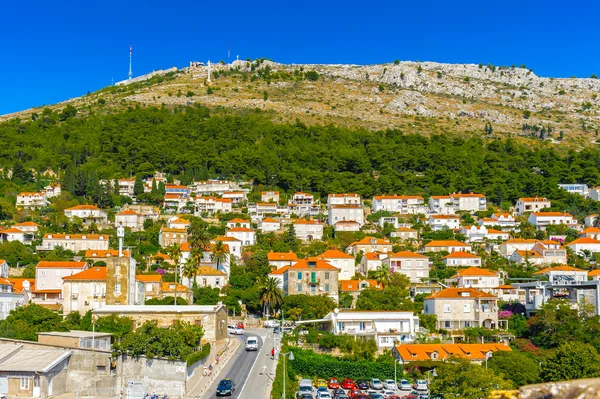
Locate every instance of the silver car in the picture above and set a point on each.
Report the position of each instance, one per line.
(376, 384)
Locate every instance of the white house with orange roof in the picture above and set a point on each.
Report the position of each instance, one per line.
(449, 204)
(235, 245)
(403, 204)
(303, 204)
(24, 286)
(370, 244)
(446, 246)
(308, 230)
(508, 293)
(511, 245)
(14, 234)
(346, 263)
(212, 205)
(9, 298)
(412, 265)
(344, 213)
(460, 308)
(269, 196)
(279, 274)
(237, 222)
(440, 222)
(581, 245)
(346, 225)
(590, 232)
(49, 279)
(84, 291)
(476, 353)
(207, 276)
(371, 261)
(27, 227)
(459, 259)
(594, 275)
(505, 220)
(168, 236)
(269, 224)
(262, 209)
(176, 222)
(343, 199)
(88, 214)
(480, 233)
(476, 277)
(103, 255)
(207, 257)
(129, 218)
(236, 197)
(543, 252)
(126, 187)
(563, 273)
(281, 259)
(30, 200)
(246, 235)
(53, 190)
(213, 186)
(531, 204)
(541, 220)
(405, 234)
(74, 242)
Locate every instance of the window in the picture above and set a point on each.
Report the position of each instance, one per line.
(299, 275)
(447, 324)
(313, 277)
(326, 275)
(148, 288)
(299, 288)
(326, 287)
(117, 288)
(24, 383)
(43, 273)
(447, 308)
(467, 308)
(217, 282)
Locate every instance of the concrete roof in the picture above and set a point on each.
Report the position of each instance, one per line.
(34, 360)
(8, 349)
(120, 309)
(76, 334)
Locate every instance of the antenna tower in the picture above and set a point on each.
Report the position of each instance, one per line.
(130, 54)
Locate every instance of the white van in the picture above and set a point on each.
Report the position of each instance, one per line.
(252, 343)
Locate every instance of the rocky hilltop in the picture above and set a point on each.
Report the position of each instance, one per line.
(426, 97)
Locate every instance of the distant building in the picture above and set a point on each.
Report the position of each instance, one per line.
(49, 279)
(246, 235)
(308, 230)
(343, 199)
(581, 189)
(168, 236)
(445, 246)
(450, 204)
(440, 222)
(412, 265)
(311, 277)
(346, 213)
(29, 200)
(269, 196)
(281, 259)
(460, 308)
(74, 242)
(89, 214)
(458, 259)
(541, 220)
(341, 260)
(403, 204)
(370, 244)
(269, 225)
(535, 204)
(476, 353)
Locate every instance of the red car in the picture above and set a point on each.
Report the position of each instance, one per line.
(348, 384)
(354, 394)
(333, 383)
(240, 325)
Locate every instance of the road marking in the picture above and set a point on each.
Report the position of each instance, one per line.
(251, 368)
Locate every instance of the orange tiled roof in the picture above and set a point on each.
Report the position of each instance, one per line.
(446, 243)
(421, 352)
(461, 255)
(533, 199)
(149, 278)
(279, 271)
(179, 221)
(166, 287)
(53, 236)
(238, 220)
(407, 254)
(83, 208)
(61, 265)
(396, 196)
(241, 229)
(29, 224)
(446, 217)
(127, 212)
(372, 256)
(590, 274)
(405, 229)
(476, 271)
(17, 283)
(469, 195)
(92, 274)
(588, 230)
(530, 254)
(335, 254)
(367, 241)
(563, 268)
(553, 214)
(282, 256)
(354, 285)
(11, 230)
(270, 220)
(319, 265)
(104, 253)
(457, 293)
(304, 221)
(209, 271)
(584, 240)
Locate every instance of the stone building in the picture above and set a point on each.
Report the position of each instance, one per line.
(311, 277)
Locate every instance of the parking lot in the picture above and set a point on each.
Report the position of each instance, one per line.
(360, 389)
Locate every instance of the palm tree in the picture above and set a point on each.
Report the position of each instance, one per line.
(271, 295)
(189, 270)
(219, 253)
(383, 275)
(198, 236)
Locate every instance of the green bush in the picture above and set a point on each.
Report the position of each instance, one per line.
(197, 356)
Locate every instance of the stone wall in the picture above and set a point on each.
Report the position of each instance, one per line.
(158, 376)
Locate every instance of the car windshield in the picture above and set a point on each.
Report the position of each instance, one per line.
(333, 380)
(225, 384)
(251, 342)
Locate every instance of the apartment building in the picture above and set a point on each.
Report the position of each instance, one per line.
(343, 199)
(308, 230)
(533, 204)
(403, 204)
(74, 242)
(346, 213)
(412, 265)
(541, 220)
(460, 308)
(311, 277)
(88, 214)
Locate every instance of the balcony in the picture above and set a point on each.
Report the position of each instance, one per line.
(312, 281)
(74, 296)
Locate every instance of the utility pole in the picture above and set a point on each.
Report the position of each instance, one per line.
(130, 55)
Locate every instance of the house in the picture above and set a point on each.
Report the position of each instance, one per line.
(177, 189)
(28, 227)
(371, 261)
(449, 204)
(268, 225)
(129, 218)
(89, 214)
(476, 353)
(279, 275)
(344, 262)
(405, 234)
(9, 298)
(281, 259)
(126, 187)
(505, 221)
(28, 200)
(33, 372)
(77, 339)
(581, 246)
(261, 209)
(14, 234)
(24, 286)
(74, 242)
(311, 277)
(440, 222)
(543, 252)
(476, 277)
(49, 279)
(308, 230)
(354, 287)
(346, 225)
(103, 255)
(214, 186)
(176, 203)
(152, 285)
(403, 204)
(235, 245)
(84, 291)
(458, 259)
(480, 233)
(445, 246)
(387, 328)
(535, 204)
(212, 205)
(207, 276)
(178, 223)
(53, 190)
(590, 232)
(176, 290)
(508, 247)
(269, 196)
(236, 197)
(412, 265)
(343, 199)
(508, 293)
(389, 220)
(338, 213)
(594, 275)
(563, 274)
(237, 222)
(168, 236)
(246, 235)
(541, 220)
(212, 318)
(303, 204)
(370, 244)
(459, 308)
(580, 189)
(595, 193)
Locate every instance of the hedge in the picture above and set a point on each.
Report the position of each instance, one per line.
(199, 355)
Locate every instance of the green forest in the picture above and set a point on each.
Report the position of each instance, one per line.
(190, 143)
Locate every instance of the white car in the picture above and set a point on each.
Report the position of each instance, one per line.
(376, 384)
(235, 330)
(389, 384)
(421, 385)
(388, 393)
(270, 323)
(323, 395)
(404, 385)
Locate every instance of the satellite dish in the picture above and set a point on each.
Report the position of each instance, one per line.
(336, 311)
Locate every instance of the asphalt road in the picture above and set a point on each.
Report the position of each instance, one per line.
(242, 365)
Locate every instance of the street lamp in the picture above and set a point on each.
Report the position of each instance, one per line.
(291, 356)
(401, 363)
(433, 373)
(488, 356)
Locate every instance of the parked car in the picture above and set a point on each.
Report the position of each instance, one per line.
(363, 396)
(388, 392)
(376, 384)
(235, 330)
(354, 393)
(226, 387)
(333, 383)
(270, 323)
(389, 384)
(348, 383)
(306, 386)
(321, 383)
(322, 389)
(404, 385)
(376, 395)
(421, 385)
(337, 392)
(303, 395)
(395, 397)
(240, 325)
(324, 395)
(362, 384)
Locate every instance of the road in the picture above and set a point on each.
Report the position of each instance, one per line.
(246, 368)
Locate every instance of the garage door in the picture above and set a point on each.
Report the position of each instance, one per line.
(4, 385)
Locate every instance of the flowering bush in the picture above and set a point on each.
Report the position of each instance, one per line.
(160, 271)
(504, 314)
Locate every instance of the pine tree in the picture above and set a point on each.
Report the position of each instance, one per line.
(154, 188)
(138, 187)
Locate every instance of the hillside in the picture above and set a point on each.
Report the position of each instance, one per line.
(415, 97)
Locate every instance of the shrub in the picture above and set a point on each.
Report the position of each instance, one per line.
(312, 75)
(199, 355)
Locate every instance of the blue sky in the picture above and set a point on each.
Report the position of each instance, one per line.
(54, 50)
